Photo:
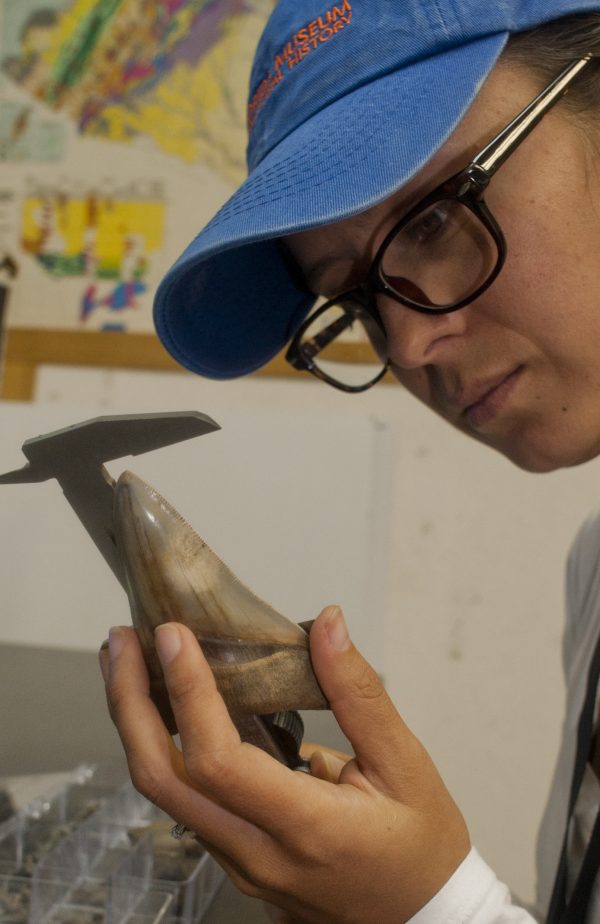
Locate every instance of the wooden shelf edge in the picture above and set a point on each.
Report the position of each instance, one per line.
(26, 348)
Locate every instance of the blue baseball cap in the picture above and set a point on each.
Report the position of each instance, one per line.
(348, 100)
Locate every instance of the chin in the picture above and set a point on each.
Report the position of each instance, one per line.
(542, 456)
(537, 465)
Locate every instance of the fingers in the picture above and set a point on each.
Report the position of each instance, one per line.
(240, 777)
(103, 659)
(386, 750)
(369, 854)
(326, 766)
(307, 748)
(156, 766)
(192, 690)
(325, 763)
(128, 693)
(148, 746)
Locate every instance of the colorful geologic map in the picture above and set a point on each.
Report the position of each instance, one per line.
(122, 132)
(173, 71)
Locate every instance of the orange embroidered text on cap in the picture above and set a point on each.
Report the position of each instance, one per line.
(307, 39)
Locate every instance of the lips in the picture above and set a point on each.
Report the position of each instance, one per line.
(485, 403)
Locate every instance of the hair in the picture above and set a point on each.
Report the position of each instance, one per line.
(552, 46)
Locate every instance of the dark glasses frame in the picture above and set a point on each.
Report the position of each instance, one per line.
(468, 188)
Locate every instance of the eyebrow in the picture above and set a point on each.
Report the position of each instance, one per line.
(317, 270)
(314, 273)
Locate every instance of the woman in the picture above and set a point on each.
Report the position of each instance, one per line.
(376, 128)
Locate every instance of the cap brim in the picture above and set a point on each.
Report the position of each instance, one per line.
(230, 303)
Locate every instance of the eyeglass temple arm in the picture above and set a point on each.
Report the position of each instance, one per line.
(327, 335)
(493, 156)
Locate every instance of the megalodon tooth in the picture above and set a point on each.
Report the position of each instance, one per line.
(260, 659)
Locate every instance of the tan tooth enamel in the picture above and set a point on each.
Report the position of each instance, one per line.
(260, 659)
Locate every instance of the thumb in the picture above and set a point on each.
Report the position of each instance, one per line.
(386, 750)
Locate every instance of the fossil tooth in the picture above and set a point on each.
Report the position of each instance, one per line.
(260, 659)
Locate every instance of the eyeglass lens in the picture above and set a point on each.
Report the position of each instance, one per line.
(345, 344)
(440, 257)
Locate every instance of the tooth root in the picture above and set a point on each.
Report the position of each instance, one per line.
(260, 659)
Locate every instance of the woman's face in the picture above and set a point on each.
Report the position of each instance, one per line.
(519, 368)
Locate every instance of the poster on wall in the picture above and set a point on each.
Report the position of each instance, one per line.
(122, 131)
(8, 273)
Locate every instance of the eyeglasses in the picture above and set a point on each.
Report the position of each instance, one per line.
(438, 258)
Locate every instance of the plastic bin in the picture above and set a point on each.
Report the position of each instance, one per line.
(90, 852)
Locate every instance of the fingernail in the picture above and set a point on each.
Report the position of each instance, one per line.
(103, 659)
(104, 645)
(168, 642)
(115, 642)
(336, 629)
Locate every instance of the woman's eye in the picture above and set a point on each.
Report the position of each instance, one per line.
(428, 225)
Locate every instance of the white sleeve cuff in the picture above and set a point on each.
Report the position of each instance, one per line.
(472, 895)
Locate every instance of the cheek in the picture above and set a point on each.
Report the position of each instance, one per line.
(534, 247)
(552, 232)
(416, 382)
(548, 292)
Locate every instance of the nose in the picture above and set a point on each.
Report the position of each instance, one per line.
(416, 339)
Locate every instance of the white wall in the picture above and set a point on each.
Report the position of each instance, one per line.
(464, 609)
(241, 488)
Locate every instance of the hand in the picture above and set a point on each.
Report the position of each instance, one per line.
(325, 763)
(374, 846)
